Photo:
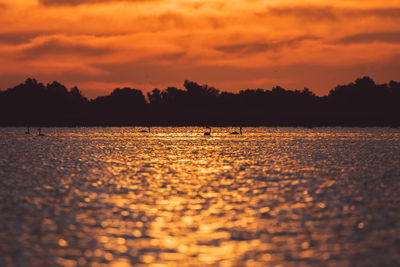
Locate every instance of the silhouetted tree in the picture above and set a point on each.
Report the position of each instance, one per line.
(360, 103)
(121, 107)
(155, 97)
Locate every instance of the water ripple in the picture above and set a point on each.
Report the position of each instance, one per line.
(273, 196)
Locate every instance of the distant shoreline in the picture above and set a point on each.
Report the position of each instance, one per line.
(360, 104)
(198, 126)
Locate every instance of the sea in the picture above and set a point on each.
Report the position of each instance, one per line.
(104, 196)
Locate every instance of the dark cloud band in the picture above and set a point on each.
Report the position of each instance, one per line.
(56, 46)
(258, 47)
(81, 2)
(330, 13)
(382, 37)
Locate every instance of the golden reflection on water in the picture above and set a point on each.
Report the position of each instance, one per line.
(173, 197)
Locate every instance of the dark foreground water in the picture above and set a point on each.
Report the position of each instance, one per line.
(174, 197)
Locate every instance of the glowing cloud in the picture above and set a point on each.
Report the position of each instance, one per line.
(80, 2)
(155, 43)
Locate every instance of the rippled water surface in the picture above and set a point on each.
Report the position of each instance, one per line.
(174, 197)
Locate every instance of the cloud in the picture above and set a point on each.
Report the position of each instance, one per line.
(165, 42)
(151, 73)
(17, 37)
(63, 46)
(317, 77)
(169, 20)
(259, 47)
(331, 13)
(245, 48)
(81, 2)
(383, 37)
(169, 56)
(305, 12)
(392, 13)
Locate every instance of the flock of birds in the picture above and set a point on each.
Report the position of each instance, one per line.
(141, 131)
(234, 132)
(206, 133)
(39, 131)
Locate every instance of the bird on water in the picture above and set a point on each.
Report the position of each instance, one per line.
(40, 132)
(145, 131)
(237, 132)
(209, 131)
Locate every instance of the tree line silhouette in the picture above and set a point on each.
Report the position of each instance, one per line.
(362, 103)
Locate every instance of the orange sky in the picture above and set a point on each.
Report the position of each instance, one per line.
(99, 45)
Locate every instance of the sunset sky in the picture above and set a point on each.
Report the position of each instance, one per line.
(99, 45)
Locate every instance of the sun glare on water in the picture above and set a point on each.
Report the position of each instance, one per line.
(174, 197)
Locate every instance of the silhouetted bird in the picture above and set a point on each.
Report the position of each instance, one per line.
(27, 131)
(145, 131)
(40, 132)
(209, 132)
(237, 132)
